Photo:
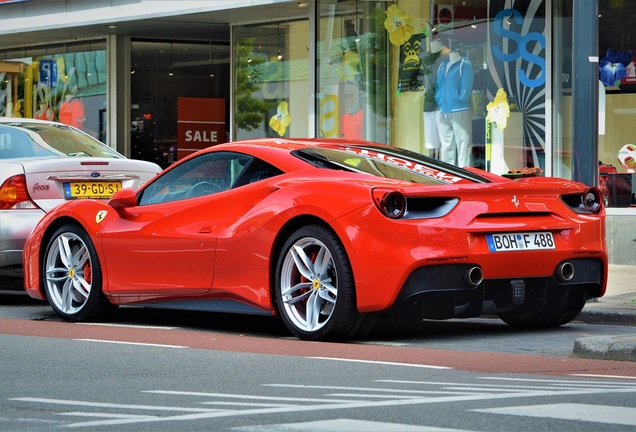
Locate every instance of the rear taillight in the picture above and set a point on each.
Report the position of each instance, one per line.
(14, 194)
(593, 200)
(391, 203)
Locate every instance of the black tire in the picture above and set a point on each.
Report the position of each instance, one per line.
(313, 269)
(539, 320)
(72, 276)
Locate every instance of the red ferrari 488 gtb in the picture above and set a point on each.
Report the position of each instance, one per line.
(326, 234)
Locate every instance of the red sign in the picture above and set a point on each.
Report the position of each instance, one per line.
(201, 124)
(631, 74)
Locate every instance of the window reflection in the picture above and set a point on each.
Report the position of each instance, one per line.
(59, 83)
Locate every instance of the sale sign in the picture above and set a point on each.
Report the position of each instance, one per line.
(200, 124)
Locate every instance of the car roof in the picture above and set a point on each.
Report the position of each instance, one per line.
(25, 120)
(278, 150)
(288, 145)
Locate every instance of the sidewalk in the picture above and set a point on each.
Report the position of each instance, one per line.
(617, 307)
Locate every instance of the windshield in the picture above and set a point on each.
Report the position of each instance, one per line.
(41, 140)
(388, 162)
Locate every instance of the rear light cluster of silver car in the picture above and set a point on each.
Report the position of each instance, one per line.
(14, 194)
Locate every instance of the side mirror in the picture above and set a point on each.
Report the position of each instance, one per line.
(122, 200)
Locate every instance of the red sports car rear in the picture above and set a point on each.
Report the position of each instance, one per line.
(327, 234)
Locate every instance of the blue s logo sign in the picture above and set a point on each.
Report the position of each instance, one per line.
(522, 43)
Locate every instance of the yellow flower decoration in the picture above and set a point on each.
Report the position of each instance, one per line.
(17, 108)
(499, 110)
(349, 66)
(281, 119)
(397, 24)
(61, 70)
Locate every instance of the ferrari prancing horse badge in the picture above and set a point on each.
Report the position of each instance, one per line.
(100, 216)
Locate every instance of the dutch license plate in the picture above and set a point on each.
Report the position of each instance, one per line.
(98, 190)
(524, 241)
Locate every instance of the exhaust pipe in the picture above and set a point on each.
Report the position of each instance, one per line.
(473, 276)
(565, 271)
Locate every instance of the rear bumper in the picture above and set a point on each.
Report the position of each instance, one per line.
(15, 227)
(445, 291)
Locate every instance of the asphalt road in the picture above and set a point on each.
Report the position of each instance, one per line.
(479, 334)
(104, 385)
(149, 370)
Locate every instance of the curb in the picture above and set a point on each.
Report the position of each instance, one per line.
(621, 348)
(607, 317)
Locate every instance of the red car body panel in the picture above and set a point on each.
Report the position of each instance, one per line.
(224, 246)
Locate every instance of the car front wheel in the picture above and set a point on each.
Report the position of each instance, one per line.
(72, 275)
(315, 289)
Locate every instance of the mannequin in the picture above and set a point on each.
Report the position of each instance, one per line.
(453, 57)
(45, 112)
(430, 64)
(453, 91)
(72, 112)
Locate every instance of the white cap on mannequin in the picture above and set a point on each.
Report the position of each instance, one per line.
(436, 46)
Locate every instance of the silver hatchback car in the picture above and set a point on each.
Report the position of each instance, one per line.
(43, 164)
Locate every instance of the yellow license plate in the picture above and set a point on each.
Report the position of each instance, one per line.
(98, 190)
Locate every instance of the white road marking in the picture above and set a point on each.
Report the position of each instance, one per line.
(485, 387)
(380, 362)
(364, 389)
(554, 381)
(331, 405)
(239, 396)
(343, 425)
(251, 404)
(131, 343)
(128, 326)
(571, 411)
(606, 376)
(482, 389)
(377, 396)
(107, 415)
(111, 405)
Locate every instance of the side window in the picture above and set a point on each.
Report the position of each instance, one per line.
(257, 170)
(14, 144)
(204, 175)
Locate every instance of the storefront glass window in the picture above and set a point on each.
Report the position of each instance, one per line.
(505, 44)
(179, 97)
(562, 89)
(461, 81)
(353, 72)
(62, 83)
(271, 92)
(617, 103)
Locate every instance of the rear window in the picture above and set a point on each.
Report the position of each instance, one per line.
(388, 162)
(41, 140)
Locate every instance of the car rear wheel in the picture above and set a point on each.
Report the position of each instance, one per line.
(315, 289)
(72, 275)
(539, 320)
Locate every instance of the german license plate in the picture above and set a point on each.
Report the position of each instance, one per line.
(98, 190)
(510, 242)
